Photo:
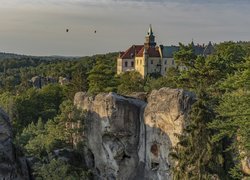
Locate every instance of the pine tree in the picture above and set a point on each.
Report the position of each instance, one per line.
(233, 121)
(101, 78)
(196, 155)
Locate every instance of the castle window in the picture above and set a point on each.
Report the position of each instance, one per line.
(137, 61)
(126, 64)
(140, 61)
(165, 69)
(132, 64)
(165, 62)
(152, 62)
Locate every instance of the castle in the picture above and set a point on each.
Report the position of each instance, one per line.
(152, 59)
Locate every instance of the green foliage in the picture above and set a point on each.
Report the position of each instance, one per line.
(130, 82)
(201, 152)
(231, 53)
(197, 157)
(233, 121)
(71, 115)
(78, 81)
(208, 72)
(7, 102)
(58, 169)
(236, 172)
(35, 103)
(171, 80)
(15, 73)
(54, 170)
(101, 78)
(185, 56)
(234, 113)
(40, 139)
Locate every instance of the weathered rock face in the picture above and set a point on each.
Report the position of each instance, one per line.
(11, 166)
(130, 138)
(164, 116)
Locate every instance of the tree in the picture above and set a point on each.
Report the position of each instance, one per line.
(130, 82)
(185, 56)
(233, 121)
(36, 103)
(78, 81)
(40, 139)
(197, 156)
(101, 78)
(73, 119)
(58, 169)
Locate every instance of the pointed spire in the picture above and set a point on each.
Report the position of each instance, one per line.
(192, 43)
(150, 38)
(150, 31)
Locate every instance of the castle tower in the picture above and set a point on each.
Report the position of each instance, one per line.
(150, 38)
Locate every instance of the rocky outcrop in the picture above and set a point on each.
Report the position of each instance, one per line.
(129, 138)
(12, 166)
(39, 81)
(245, 162)
(63, 80)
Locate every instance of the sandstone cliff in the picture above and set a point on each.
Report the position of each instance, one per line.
(12, 167)
(129, 138)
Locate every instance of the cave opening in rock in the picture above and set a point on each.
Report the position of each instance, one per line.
(155, 165)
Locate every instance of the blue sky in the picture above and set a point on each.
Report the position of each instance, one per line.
(37, 27)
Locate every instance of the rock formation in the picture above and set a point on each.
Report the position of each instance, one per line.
(63, 80)
(39, 81)
(12, 166)
(129, 138)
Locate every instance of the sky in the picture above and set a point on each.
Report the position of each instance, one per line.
(38, 27)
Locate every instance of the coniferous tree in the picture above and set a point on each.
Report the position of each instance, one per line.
(130, 82)
(233, 121)
(101, 78)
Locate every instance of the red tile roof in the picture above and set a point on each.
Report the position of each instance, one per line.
(121, 54)
(152, 52)
(131, 52)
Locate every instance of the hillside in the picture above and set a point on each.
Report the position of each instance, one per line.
(4, 56)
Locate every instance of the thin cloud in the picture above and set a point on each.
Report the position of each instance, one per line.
(63, 5)
(38, 26)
